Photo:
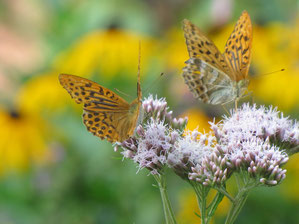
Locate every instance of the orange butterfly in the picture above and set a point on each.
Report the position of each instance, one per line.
(213, 77)
(105, 114)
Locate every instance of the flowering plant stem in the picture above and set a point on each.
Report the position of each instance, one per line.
(245, 185)
(168, 213)
(293, 150)
(214, 204)
(237, 205)
(206, 212)
(202, 193)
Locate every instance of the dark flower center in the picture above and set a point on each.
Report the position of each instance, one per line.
(14, 114)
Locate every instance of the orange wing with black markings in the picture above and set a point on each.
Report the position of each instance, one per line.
(238, 47)
(106, 114)
(201, 47)
(213, 77)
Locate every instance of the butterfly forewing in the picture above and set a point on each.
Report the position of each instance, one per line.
(238, 47)
(106, 114)
(199, 46)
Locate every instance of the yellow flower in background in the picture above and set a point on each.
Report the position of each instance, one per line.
(43, 93)
(106, 52)
(273, 50)
(22, 141)
(197, 119)
(175, 51)
(293, 33)
(223, 208)
(188, 208)
(291, 184)
(281, 90)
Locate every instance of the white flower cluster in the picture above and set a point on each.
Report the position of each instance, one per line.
(250, 140)
(259, 158)
(155, 137)
(189, 151)
(157, 109)
(154, 143)
(264, 123)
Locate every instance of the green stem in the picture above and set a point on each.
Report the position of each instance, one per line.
(237, 205)
(214, 204)
(224, 192)
(237, 181)
(201, 193)
(168, 213)
(293, 150)
(240, 198)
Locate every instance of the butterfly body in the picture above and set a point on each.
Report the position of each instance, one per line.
(105, 114)
(213, 77)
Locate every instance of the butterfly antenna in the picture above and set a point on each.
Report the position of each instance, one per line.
(117, 90)
(154, 82)
(236, 104)
(225, 109)
(269, 73)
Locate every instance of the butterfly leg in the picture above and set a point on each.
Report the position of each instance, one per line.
(248, 94)
(236, 103)
(225, 109)
(226, 103)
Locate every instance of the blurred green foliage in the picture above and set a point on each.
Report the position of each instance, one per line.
(80, 178)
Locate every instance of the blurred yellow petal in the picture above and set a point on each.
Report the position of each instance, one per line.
(291, 183)
(273, 50)
(43, 94)
(223, 208)
(106, 52)
(23, 141)
(197, 119)
(188, 208)
(175, 51)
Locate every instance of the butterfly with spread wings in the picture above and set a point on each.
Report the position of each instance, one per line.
(105, 114)
(213, 77)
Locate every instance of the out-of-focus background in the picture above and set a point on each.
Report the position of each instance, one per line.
(53, 171)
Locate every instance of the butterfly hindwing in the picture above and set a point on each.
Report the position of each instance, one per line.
(109, 125)
(238, 47)
(207, 83)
